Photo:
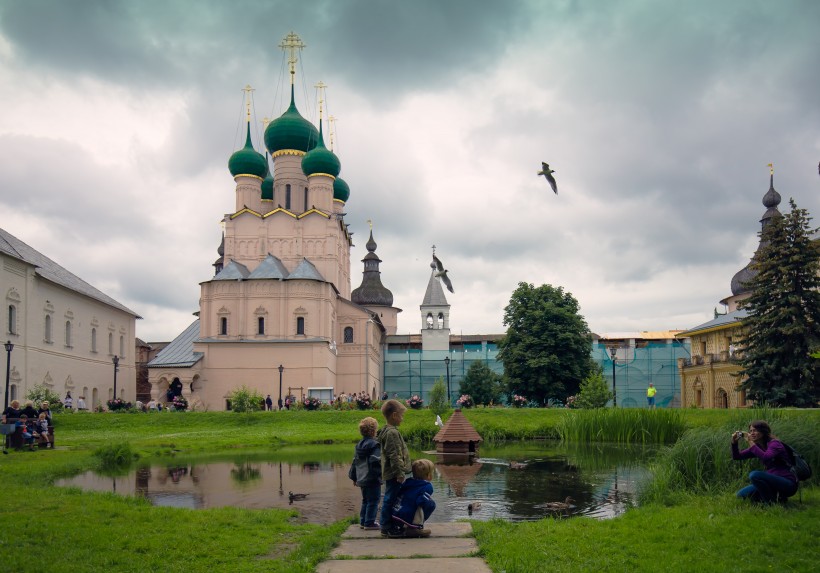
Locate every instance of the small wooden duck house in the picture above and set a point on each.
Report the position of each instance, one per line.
(457, 436)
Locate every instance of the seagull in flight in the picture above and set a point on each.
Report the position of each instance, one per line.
(547, 173)
(441, 273)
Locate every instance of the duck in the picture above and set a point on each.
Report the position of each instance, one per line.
(296, 496)
(474, 506)
(560, 505)
(517, 465)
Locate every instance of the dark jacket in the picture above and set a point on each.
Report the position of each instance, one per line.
(30, 412)
(415, 493)
(367, 468)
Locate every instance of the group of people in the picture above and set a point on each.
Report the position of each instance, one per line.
(30, 422)
(350, 398)
(68, 402)
(382, 458)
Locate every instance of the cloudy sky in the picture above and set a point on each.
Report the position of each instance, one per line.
(659, 117)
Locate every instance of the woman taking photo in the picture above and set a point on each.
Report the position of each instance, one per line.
(778, 482)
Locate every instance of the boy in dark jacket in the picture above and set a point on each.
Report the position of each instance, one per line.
(395, 461)
(416, 500)
(367, 472)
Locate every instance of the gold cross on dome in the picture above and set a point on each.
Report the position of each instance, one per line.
(292, 43)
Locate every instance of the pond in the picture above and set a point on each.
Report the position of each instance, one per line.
(602, 479)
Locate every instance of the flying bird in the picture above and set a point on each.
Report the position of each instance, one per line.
(547, 173)
(441, 273)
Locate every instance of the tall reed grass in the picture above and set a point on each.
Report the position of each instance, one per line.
(622, 425)
(700, 462)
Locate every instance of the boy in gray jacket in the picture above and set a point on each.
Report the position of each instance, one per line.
(395, 460)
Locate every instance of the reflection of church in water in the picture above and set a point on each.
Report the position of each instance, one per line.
(279, 315)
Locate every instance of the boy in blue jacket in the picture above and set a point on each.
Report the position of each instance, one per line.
(366, 471)
(416, 500)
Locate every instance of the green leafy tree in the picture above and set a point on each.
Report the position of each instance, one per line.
(783, 322)
(40, 393)
(546, 351)
(594, 392)
(439, 404)
(245, 399)
(482, 384)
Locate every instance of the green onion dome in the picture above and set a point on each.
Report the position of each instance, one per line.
(341, 190)
(321, 160)
(290, 132)
(267, 183)
(247, 161)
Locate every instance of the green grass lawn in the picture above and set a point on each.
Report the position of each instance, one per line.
(65, 529)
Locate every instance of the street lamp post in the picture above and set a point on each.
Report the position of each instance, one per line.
(281, 369)
(447, 364)
(614, 353)
(116, 361)
(9, 347)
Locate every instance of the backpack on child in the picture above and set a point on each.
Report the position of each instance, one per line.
(365, 470)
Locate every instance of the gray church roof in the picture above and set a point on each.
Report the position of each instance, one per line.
(233, 271)
(51, 271)
(180, 353)
(435, 294)
(720, 320)
(270, 268)
(306, 270)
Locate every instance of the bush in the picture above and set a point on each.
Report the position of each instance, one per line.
(40, 393)
(439, 404)
(245, 399)
(363, 402)
(118, 404)
(115, 455)
(180, 403)
(415, 402)
(311, 403)
(465, 401)
(518, 401)
(594, 392)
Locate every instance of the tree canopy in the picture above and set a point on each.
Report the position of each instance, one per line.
(546, 351)
(783, 322)
(482, 384)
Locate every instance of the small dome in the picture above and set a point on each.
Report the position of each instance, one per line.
(341, 190)
(247, 161)
(321, 160)
(291, 131)
(267, 183)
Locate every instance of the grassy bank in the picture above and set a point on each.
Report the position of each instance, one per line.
(65, 529)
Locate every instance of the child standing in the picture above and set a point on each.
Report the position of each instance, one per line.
(367, 472)
(395, 462)
(416, 501)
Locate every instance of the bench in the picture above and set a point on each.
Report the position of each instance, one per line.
(14, 436)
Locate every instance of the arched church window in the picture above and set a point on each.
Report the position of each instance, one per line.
(260, 325)
(122, 345)
(306, 199)
(300, 325)
(429, 320)
(287, 196)
(12, 319)
(111, 343)
(68, 333)
(48, 328)
(441, 320)
(348, 335)
(93, 340)
(223, 325)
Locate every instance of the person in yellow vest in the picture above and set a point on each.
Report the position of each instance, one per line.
(650, 396)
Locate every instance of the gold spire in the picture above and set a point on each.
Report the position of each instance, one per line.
(320, 91)
(265, 121)
(771, 168)
(248, 90)
(292, 43)
(369, 222)
(331, 121)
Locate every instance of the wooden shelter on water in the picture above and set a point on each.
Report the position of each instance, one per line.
(457, 436)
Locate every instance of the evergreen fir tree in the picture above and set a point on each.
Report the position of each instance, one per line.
(783, 324)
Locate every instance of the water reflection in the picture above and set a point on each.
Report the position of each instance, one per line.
(511, 482)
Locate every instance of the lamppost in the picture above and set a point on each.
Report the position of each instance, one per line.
(447, 364)
(614, 354)
(9, 347)
(116, 361)
(281, 369)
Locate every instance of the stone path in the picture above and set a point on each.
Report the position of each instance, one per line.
(449, 548)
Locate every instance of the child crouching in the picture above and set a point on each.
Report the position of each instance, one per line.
(416, 500)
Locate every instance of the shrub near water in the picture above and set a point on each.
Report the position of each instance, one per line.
(115, 455)
(622, 425)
